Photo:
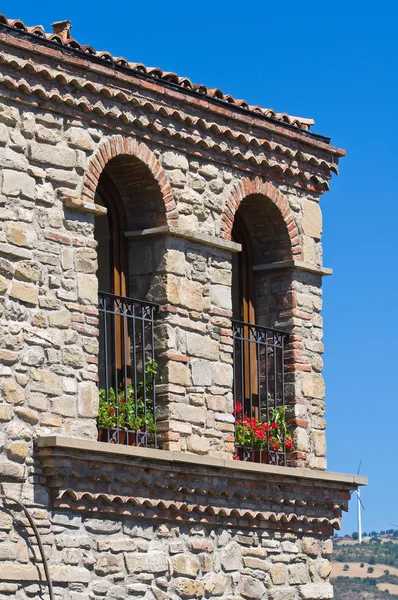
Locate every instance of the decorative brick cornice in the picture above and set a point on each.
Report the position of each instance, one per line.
(127, 107)
(104, 67)
(117, 145)
(93, 477)
(247, 186)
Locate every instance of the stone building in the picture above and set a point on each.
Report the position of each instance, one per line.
(195, 220)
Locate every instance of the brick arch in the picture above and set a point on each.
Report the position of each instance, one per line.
(246, 187)
(117, 145)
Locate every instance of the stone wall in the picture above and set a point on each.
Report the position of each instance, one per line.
(106, 557)
(49, 285)
(124, 522)
(117, 521)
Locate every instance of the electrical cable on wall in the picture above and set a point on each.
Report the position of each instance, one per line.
(4, 496)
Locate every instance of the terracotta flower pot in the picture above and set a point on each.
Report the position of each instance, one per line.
(131, 438)
(102, 434)
(260, 456)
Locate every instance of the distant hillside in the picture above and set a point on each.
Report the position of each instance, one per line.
(367, 571)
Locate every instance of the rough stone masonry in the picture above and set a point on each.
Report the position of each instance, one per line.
(185, 521)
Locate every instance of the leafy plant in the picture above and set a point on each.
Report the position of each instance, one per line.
(111, 413)
(260, 435)
(133, 410)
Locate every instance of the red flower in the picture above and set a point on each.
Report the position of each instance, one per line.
(122, 400)
(274, 425)
(235, 457)
(275, 446)
(238, 408)
(111, 411)
(265, 427)
(259, 433)
(239, 422)
(288, 443)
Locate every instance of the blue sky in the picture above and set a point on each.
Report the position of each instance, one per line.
(337, 63)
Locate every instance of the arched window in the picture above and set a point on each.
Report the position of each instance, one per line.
(126, 270)
(258, 289)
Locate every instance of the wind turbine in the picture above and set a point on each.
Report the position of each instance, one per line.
(359, 505)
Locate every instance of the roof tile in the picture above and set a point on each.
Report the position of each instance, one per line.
(61, 34)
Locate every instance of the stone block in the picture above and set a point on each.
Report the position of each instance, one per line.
(251, 562)
(172, 160)
(197, 444)
(27, 414)
(316, 591)
(108, 564)
(189, 588)
(88, 400)
(12, 392)
(201, 372)
(313, 385)
(298, 574)
(186, 565)
(16, 183)
(21, 234)
(319, 439)
(87, 288)
(251, 587)
(136, 562)
(122, 545)
(18, 451)
(3, 284)
(312, 219)
(24, 292)
(189, 294)
(5, 412)
(48, 155)
(185, 412)
(327, 547)
(9, 115)
(282, 593)
(176, 373)
(86, 260)
(222, 374)
(278, 574)
(220, 295)
(12, 470)
(80, 138)
(301, 440)
(231, 557)
(216, 584)
(60, 318)
(46, 382)
(324, 568)
(9, 159)
(27, 271)
(73, 356)
(8, 357)
(202, 346)
(310, 546)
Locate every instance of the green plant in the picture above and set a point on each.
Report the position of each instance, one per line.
(130, 410)
(252, 433)
(111, 413)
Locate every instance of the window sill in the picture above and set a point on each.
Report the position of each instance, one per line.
(229, 466)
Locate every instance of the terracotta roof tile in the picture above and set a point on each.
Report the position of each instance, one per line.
(61, 34)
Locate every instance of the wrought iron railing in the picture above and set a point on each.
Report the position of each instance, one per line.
(259, 393)
(127, 371)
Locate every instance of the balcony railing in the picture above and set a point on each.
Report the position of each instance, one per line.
(259, 393)
(127, 371)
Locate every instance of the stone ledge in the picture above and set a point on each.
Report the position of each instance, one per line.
(192, 236)
(230, 466)
(295, 264)
(98, 478)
